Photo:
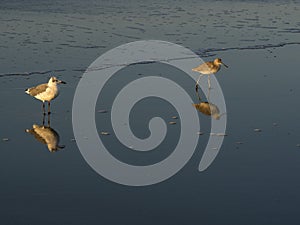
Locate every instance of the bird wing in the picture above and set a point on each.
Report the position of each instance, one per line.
(37, 90)
(204, 67)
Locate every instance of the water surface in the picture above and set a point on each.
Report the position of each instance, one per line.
(253, 180)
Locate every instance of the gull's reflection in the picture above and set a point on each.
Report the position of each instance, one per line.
(46, 135)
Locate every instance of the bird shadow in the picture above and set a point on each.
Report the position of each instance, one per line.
(46, 135)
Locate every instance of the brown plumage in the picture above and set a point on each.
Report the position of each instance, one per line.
(208, 68)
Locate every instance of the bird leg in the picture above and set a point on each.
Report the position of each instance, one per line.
(208, 94)
(198, 96)
(197, 92)
(201, 75)
(49, 120)
(43, 108)
(197, 83)
(197, 87)
(49, 108)
(208, 81)
(43, 119)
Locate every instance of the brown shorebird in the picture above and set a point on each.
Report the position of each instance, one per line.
(208, 68)
(46, 92)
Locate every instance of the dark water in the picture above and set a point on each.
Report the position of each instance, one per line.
(253, 180)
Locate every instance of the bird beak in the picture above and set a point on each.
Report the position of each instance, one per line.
(224, 65)
(61, 82)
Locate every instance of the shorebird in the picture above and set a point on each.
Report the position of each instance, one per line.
(46, 92)
(208, 68)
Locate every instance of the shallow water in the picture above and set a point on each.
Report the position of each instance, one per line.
(253, 180)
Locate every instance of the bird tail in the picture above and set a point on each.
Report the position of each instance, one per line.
(27, 91)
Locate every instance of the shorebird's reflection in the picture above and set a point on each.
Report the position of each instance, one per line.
(207, 108)
(46, 135)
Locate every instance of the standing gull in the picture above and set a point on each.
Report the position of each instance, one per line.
(208, 68)
(46, 92)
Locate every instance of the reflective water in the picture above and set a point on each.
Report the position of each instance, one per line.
(254, 179)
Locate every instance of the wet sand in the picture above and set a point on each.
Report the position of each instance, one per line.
(254, 178)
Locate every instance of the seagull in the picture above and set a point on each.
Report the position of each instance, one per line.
(46, 92)
(208, 68)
